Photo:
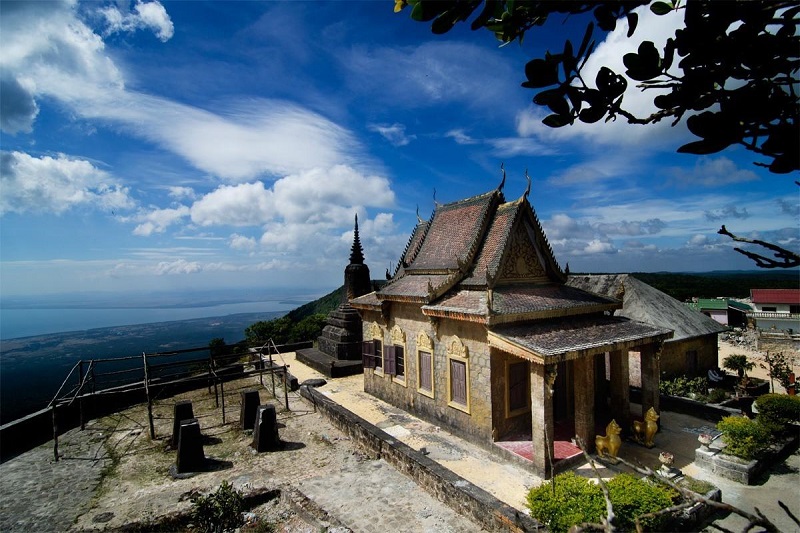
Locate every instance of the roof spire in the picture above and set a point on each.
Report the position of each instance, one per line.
(528, 190)
(419, 220)
(356, 253)
(503, 182)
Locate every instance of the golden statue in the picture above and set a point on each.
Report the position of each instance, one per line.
(608, 446)
(645, 431)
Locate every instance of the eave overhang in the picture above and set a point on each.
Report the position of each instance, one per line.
(554, 341)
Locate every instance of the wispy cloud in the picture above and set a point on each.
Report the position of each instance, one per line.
(145, 15)
(394, 133)
(711, 172)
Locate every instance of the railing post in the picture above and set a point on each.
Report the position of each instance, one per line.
(149, 400)
(272, 372)
(222, 391)
(55, 433)
(81, 381)
(286, 385)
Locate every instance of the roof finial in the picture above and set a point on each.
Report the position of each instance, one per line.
(528, 190)
(356, 253)
(503, 182)
(419, 220)
(435, 203)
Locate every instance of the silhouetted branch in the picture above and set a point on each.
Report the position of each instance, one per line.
(786, 258)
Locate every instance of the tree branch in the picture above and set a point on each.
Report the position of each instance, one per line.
(786, 258)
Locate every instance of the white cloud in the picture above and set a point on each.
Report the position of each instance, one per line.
(158, 220)
(712, 172)
(430, 74)
(246, 204)
(180, 193)
(181, 266)
(460, 137)
(56, 185)
(52, 53)
(394, 133)
(609, 53)
(596, 246)
(240, 242)
(145, 15)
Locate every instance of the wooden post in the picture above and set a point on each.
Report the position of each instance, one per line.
(216, 392)
(149, 400)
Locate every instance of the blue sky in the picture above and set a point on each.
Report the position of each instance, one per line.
(194, 145)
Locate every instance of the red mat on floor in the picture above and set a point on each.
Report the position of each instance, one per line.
(524, 448)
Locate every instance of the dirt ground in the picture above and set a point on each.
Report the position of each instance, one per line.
(761, 369)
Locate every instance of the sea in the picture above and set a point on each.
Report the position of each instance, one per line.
(39, 346)
(16, 323)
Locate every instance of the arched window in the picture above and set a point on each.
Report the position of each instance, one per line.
(458, 375)
(424, 364)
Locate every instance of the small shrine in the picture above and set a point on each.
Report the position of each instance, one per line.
(338, 351)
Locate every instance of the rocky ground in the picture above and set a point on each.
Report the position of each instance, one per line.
(317, 470)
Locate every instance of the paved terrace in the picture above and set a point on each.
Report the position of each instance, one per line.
(112, 474)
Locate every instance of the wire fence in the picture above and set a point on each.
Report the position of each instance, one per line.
(161, 374)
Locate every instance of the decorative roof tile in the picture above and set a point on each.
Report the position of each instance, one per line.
(545, 299)
(454, 233)
(459, 302)
(366, 301)
(412, 288)
(597, 333)
(491, 253)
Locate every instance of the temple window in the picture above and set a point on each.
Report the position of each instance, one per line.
(458, 375)
(394, 356)
(424, 364)
(372, 349)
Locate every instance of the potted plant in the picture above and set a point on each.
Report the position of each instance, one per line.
(739, 364)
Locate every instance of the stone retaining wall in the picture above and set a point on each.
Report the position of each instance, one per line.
(451, 489)
(741, 470)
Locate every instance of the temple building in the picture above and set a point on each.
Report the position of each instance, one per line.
(478, 331)
(338, 351)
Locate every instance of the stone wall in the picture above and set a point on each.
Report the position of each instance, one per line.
(474, 422)
(451, 489)
(674, 358)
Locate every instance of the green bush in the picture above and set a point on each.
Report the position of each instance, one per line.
(777, 411)
(683, 386)
(633, 497)
(576, 500)
(219, 511)
(745, 438)
(717, 396)
(567, 500)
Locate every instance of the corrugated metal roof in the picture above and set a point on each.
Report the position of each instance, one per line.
(647, 304)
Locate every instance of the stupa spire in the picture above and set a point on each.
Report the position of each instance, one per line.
(356, 252)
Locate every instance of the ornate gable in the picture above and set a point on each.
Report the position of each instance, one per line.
(520, 261)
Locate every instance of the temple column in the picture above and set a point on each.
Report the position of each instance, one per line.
(584, 377)
(542, 429)
(651, 370)
(620, 388)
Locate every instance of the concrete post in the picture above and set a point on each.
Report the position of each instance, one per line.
(191, 457)
(250, 403)
(265, 432)
(651, 370)
(542, 428)
(181, 411)
(620, 389)
(584, 378)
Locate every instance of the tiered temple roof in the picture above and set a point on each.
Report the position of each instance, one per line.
(488, 261)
